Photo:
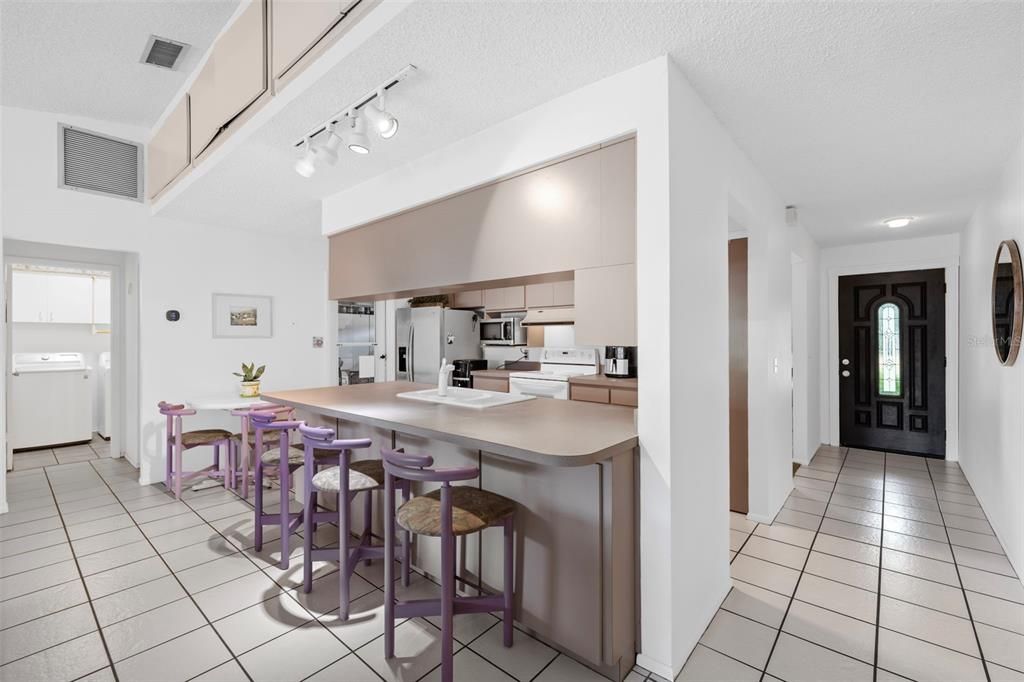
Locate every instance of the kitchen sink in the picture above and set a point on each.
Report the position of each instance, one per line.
(466, 397)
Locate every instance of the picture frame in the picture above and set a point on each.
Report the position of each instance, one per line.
(242, 316)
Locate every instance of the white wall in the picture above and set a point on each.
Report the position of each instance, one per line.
(941, 251)
(806, 345)
(34, 337)
(992, 396)
(180, 265)
(690, 180)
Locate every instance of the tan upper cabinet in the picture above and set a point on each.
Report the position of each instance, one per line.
(618, 203)
(298, 25)
(606, 306)
(549, 294)
(467, 299)
(168, 153)
(233, 77)
(505, 298)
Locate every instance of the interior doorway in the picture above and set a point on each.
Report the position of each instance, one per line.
(739, 485)
(892, 361)
(72, 354)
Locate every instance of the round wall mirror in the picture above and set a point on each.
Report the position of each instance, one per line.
(1007, 302)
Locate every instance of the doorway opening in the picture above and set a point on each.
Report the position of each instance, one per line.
(892, 361)
(739, 485)
(69, 383)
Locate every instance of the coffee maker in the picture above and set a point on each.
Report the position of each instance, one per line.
(620, 361)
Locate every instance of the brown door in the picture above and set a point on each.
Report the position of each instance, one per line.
(892, 357)
(738, 375)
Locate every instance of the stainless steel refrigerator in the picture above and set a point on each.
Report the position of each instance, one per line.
(423, 336)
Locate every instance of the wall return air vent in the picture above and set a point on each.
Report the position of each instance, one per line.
(97, 163)
(163, 52)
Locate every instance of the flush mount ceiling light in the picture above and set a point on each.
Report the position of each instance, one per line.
(357, 140)
(306, 165)
(351, 122)
(901, 221)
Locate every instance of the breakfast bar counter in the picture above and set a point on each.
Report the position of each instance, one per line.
(570, 466)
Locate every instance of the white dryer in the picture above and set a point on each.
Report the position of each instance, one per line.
(50, 400)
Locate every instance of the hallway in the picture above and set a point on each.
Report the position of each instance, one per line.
(878, 567)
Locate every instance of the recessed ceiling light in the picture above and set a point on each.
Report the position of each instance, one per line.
(902, 221)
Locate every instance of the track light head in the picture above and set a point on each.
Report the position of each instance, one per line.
(306, 164)
(383, 121)
(329, 150)
(357, 139)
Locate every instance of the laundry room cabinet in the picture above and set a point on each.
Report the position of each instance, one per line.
(54, 298)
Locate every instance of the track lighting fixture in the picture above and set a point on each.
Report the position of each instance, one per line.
(357, 140)
(383, 121)
(306, 165)
(349, 126)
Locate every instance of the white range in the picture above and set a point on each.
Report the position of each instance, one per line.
(557, 365)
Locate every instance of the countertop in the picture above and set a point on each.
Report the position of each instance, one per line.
(601, 381)
(563, 433)
(494, 373)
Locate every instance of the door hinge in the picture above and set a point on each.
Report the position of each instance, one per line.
(945, 361)
(945, 288)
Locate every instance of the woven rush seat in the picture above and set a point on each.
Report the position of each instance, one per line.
(473, 509)
(296, 455)
(366, 474)
(193, 439)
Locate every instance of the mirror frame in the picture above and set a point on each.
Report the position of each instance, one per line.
(1018, 301)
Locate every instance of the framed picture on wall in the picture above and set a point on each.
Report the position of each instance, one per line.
(242, 316)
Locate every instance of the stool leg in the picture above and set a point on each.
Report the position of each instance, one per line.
(509, 580)
(344, 555)
(177, 472)
(258, 503)
(367, 522)
(216, 457)
(406, 540)
(308, 510)
(389, 568)
(229, 468)
(447, 604)
(285, 520)
(170, 465)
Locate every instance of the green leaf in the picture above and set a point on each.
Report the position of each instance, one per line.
(259, 372)
(237, 374)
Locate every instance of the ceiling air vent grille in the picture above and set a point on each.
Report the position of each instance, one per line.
(97, 163)
(163, 52)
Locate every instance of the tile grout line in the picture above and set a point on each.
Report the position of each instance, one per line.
(792, 598)
(178, 580)
(963, 593)
(881, 552)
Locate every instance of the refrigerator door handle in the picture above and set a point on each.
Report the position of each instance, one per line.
(411, 359)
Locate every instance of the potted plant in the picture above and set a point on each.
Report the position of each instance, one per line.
(250, 375)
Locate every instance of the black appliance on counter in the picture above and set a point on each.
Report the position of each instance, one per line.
(463, 374)
(620, 361)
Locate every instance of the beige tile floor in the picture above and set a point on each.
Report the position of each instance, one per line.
(878, 567)
(99, 576)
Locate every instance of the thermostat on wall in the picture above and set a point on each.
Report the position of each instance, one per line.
(172, 315)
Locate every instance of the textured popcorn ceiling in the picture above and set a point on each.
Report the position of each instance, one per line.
(82, 58)
(854, 111)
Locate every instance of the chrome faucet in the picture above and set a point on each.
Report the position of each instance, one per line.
(442, 377)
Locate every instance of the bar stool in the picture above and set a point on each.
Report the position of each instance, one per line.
(178, 441)
(447, 512)
(346, 480)
(239, 460)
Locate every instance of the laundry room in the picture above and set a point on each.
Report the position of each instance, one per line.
(60, 343)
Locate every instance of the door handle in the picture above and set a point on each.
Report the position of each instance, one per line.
(411, 358)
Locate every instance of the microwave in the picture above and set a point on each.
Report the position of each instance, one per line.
(503, 331)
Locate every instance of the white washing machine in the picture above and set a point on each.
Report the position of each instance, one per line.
(104, 403)
(50, 400)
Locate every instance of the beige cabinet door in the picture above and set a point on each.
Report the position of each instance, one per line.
(515, 298)
(468, 299)
(494, 299)
(563, 293)
(234, 76)
(298, 25)
(618, 203)
(168, 152)
(606, 306)
(540, 295)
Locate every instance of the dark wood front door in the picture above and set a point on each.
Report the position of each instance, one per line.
(892, 362)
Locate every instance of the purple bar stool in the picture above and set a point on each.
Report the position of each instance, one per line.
(346, 480)
(448, 512)
(241, 447)
(178, 441)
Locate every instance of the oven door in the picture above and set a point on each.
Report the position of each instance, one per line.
(542, 388)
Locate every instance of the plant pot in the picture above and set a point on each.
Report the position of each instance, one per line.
(249, 389)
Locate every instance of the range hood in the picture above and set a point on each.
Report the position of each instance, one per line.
(563, 315)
